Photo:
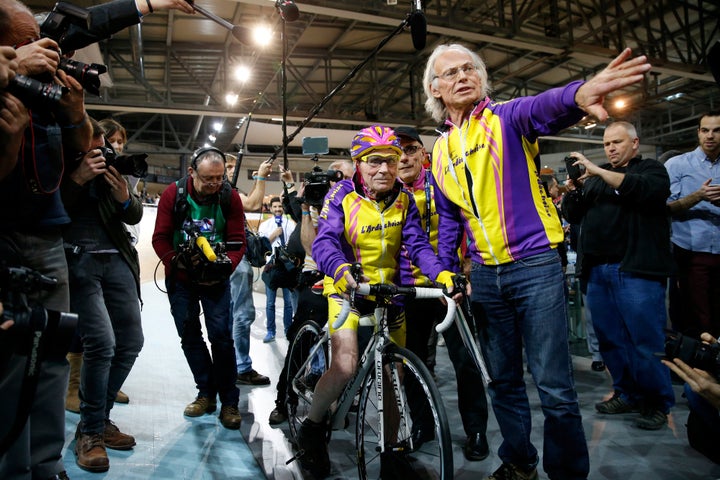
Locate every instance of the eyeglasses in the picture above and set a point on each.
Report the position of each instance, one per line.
(375, 160)
(411, 149)
(212, 182)
(451, 73)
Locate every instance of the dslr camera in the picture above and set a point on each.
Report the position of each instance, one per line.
(35, 94)
(38, 333)
(56, 26)
(133, 164)
(693, 352)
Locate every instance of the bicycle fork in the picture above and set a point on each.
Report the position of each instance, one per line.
(402, 428)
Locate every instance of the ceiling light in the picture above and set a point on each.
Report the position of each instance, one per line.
(262, 35)
(217, 126)
(620, 103)
(675, 96)
(242, 73)
(212, 138)
(231, 99)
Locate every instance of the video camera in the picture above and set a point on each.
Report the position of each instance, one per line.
(38, 333)
(56, 26)
(206, 264)
(693, 352)
(134, 164)
(317, 182)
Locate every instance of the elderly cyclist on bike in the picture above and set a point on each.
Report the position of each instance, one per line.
(365, 219)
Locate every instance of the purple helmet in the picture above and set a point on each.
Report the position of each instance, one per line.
(374, 137)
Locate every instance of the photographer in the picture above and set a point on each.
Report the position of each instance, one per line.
(30, 236)
(703, 394)
(624, 253)
(104, 292)
(203, 200)
(12, 109)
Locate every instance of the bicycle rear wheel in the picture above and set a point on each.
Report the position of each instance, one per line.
(433, 459)
(303, 374)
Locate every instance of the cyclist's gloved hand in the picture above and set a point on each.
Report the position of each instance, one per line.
(445, 278)
(341, 279)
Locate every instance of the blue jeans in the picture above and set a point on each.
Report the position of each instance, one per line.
(243, 313)
(629, 316)
(270, 309)
(216, 374)
(518, 303)
(103, 293)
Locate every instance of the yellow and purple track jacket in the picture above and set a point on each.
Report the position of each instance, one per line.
(354, 228)
(487, 180)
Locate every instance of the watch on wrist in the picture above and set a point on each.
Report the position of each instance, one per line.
(290, 185)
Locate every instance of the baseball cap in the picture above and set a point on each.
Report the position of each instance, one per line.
(408, 132)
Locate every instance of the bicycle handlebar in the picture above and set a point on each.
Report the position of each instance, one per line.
(388, 290)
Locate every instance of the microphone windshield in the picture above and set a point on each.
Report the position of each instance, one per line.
(288, 10)
(418, 29)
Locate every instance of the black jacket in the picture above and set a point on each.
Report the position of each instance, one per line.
(640, 201)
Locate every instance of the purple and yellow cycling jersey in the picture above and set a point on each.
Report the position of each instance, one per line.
(486, 172)
(354, 228)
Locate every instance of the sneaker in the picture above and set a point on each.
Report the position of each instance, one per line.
(90, 452)
(115, 439)
(121, 397)
(312, 448)
(230, 417)
(508, 471)
(200, 406)
(277, 416)
(270, 337)
(252, 377)
(597, 366)
(476, 447)
(615, 405)
(651, 419)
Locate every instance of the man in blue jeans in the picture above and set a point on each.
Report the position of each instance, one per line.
(277, 229)
(624, 253)
(191, 282)
(241, 293)
(487, 185)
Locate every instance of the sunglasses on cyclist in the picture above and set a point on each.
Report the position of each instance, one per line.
(374, 160)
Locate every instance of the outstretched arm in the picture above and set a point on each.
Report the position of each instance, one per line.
(619, 73)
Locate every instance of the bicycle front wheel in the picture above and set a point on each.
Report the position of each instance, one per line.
(303, 373)
(402, 458)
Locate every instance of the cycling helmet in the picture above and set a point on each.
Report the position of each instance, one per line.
(374, 137)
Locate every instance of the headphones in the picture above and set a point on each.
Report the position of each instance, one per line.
(202, 151)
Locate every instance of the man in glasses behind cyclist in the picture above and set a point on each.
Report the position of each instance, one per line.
(366, 220)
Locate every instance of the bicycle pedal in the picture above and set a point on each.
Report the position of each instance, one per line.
(299, 454)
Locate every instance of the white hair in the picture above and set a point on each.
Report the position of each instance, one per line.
(435, 106)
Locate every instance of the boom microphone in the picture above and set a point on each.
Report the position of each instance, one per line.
(418, 26)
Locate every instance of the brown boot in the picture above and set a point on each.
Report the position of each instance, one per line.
(72, 400)
(90, 452)
(122, 397)
(115, 439)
